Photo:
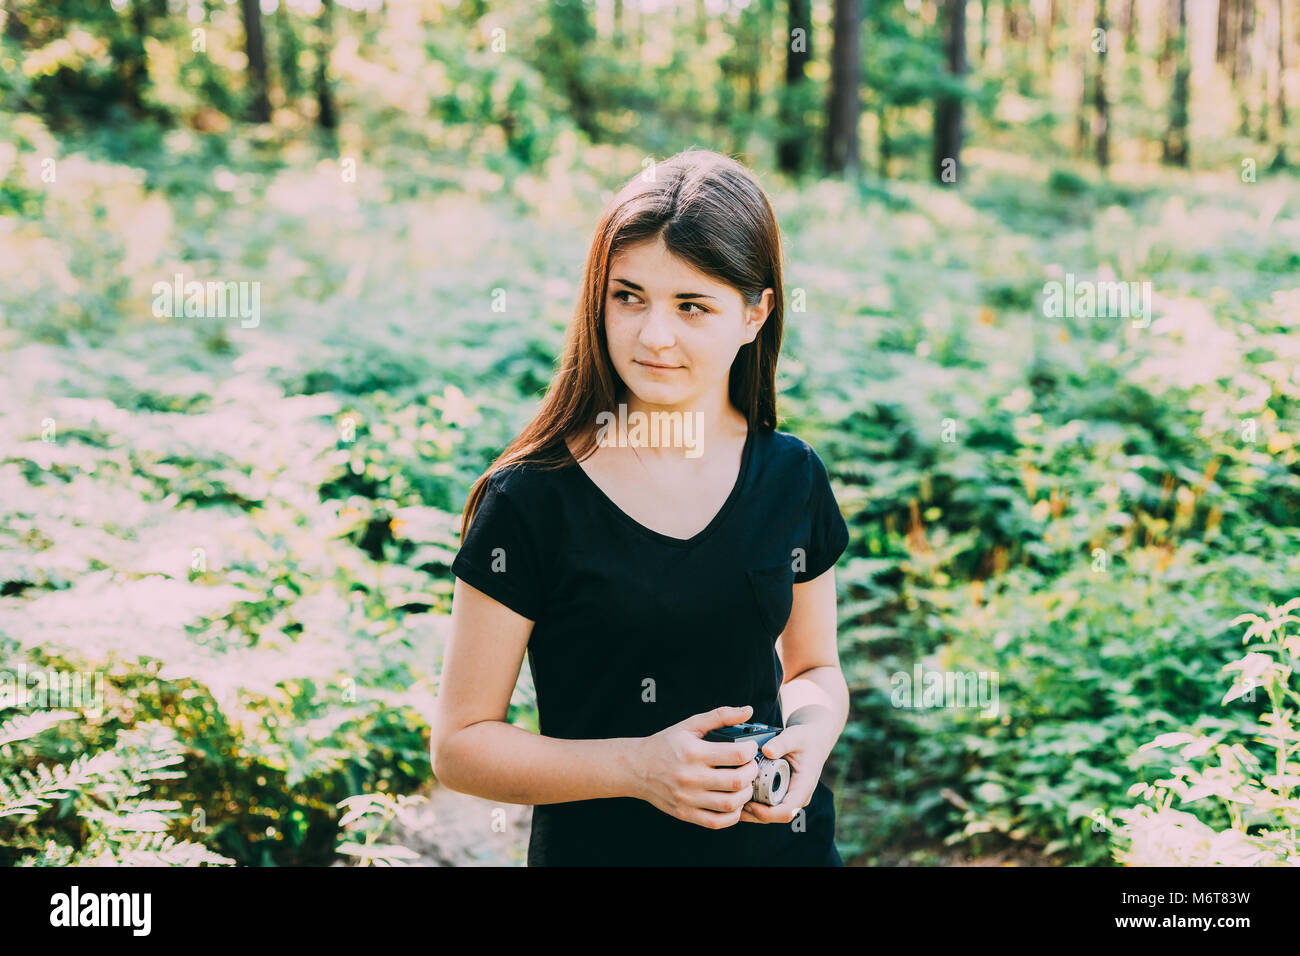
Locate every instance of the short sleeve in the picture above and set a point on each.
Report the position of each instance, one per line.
(828, 534)
(499, 554)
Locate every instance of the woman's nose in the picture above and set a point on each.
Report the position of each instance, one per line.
(657, 331)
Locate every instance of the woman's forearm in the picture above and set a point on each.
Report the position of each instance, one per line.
(498, 761)
(817, 696)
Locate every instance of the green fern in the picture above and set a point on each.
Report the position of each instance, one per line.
(108, 790)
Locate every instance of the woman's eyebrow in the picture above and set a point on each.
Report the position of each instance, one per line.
(680, 295)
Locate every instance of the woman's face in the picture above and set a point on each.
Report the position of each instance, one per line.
(660, 311)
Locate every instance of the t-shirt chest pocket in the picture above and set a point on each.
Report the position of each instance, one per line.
(773, 590)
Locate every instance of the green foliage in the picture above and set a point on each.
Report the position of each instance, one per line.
(366, 817)
(105, 792)
(1252, 770)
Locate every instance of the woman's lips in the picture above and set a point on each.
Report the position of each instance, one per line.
(658, 368)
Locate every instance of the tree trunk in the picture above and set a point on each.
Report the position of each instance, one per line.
(791, 149)
(326, 117)
(754, 32)
(844, 105)
(1279, 102)
(1243, 63)
(1222, 37)
(1165, 59)
(984, 33)
(1101, 118)
(259, 110)
(137, 66)
(1049, 29)
(886, 144)
(1175, 146)
(1083, 32)
(948, 108)
(1010, 21)
(1281, 68)
(15, 29)
(287, 47)
(1130, 28)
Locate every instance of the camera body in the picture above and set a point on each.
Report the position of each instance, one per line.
(773, 780)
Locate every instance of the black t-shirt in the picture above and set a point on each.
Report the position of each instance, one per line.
(635, 630)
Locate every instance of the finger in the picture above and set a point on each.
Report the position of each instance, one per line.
(783, 812)
(720, 801)
(718, 754)
(730, 780)
(715, 821)
(781, 744)
(718, 717)
(761, 812)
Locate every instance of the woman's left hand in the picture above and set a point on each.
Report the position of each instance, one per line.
(805, 747)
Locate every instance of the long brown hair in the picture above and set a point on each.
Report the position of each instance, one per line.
(712, 214)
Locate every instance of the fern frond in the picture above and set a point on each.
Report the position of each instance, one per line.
(26, 726)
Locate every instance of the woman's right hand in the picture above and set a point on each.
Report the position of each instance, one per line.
(700, 781)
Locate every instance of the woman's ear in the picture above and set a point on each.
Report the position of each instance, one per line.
(756, 315)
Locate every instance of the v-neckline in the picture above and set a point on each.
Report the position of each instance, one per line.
(746, 455)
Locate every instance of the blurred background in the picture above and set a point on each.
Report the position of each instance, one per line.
(228, 509)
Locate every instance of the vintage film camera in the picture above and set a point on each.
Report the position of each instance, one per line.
(773, 780)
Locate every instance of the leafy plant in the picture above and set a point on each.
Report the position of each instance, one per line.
(1256, 780)
(367, 815)
(107, 790)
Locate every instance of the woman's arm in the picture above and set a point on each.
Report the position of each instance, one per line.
(474, 750)
(814, 697)
(813, 690)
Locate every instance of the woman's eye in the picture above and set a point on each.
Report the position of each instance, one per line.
(697, 309)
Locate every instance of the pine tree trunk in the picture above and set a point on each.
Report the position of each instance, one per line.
(790, 151)
(948, 109)
(886, 144)
(1279, 96)
(1221, 37)
(1101, 118)
(259, 109)
(137, 69)
(1281, 68)
(984, 32)
(1243, 64)
(326, 116)
(1165, 60)
(1175, 146)
(1083, 30)
(844, 104)
(1246, 28)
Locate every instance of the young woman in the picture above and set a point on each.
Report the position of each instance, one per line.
(660, 588)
